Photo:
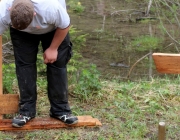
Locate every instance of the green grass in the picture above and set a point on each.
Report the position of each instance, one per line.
(127, 110)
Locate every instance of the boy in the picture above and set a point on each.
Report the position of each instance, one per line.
(32, 22)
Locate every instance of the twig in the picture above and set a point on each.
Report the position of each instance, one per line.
(161, 22)
(72, 95)
(115, 12)
(8, 43)
(136, 64)
(104, 20)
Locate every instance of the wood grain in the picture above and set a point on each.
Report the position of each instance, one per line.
(9, 103)
(167, 63)
(1, 86)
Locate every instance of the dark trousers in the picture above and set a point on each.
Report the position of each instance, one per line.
(25, 47)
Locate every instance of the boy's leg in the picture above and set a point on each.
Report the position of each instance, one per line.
(25, 52)
(57, 79)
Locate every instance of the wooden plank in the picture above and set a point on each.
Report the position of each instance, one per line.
(49, 123)
(167, 63)
(9, 103)
(1, 86)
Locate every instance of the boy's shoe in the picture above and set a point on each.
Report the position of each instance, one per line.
(20, 120)
(67, 119)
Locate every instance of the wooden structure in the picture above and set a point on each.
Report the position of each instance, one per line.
(1, 88)
(9, 105)
(167, 63)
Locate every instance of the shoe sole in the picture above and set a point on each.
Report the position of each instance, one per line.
(16, 125)
(75, 122)
(72, 123)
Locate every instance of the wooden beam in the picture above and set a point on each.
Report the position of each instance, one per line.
(1, 86)
(167, 63)
(49, 123)
(9, 103)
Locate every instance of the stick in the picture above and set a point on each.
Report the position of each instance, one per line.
(149, 6)
(135, 64)
(1, 89)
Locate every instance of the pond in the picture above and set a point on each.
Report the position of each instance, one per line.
(111, 27)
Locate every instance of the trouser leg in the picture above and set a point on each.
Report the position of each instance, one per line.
(58, 90)
(25, 52)
(57, 76)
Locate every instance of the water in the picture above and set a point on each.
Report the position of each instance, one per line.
(112, 27)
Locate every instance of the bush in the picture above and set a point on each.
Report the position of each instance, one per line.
(88, 83)
(75, 6)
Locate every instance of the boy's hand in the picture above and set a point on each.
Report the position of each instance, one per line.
(50, 55)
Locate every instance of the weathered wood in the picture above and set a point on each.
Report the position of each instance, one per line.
(167, 63)
(48, 123)
(161, 131)
(9, 103)
(1, 86)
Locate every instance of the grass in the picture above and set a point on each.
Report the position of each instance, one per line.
(128, 111)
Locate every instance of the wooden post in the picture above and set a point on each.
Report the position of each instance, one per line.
(1, 85)
(161, 131)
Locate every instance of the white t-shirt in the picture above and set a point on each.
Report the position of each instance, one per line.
(49, 14)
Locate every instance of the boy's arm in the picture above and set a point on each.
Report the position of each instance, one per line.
(50, 55)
